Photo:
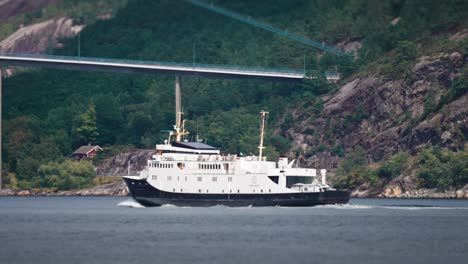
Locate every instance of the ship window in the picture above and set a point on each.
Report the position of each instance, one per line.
(199, 179)
(173, 190)
(181, 190)
(269, 190)
(254, 190)
(215, 179)
(291, 180)
(177, 178)
(229, 179)
(274, 179)
(199, 190)
(261, 190)
(238, 191)
(169, 178)
(207, 190)
(223, 190)
(185, 178)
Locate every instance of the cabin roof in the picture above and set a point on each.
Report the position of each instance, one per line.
(193, 145)
(86, 149)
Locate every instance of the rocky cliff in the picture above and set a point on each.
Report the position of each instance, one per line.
(38, 37)
(384, 114)
(394, 113)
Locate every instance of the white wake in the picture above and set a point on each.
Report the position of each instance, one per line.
(130, 203)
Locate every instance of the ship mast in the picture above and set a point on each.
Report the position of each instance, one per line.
(263, 116)
(179, 127)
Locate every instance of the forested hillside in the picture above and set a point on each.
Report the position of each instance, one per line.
(48, 113)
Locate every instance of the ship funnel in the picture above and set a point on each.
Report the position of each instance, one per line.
(323, 172)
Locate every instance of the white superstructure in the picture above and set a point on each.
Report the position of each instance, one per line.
(190, 167)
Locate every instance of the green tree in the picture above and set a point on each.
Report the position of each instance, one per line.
(395, 166)
(87, 129)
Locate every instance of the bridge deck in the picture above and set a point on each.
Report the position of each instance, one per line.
(134, 66)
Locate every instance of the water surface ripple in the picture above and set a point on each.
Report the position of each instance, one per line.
(118, 230)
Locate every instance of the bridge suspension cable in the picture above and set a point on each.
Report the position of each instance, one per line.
(253, 22)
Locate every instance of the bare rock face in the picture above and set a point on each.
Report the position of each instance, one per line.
(119, 165)
(350, 46)
(384, 116)
(364, 190)
(13, 8)
(110, 189)
(37, 38)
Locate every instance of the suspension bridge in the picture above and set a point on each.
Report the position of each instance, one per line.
(154, 67)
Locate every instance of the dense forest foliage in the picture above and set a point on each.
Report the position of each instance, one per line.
(49, 113)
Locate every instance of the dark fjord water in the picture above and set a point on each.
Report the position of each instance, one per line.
(109, 230)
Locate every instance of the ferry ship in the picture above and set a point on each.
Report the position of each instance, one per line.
(186, 173)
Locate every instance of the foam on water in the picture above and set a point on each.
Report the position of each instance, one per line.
(130, 203)
(345, 206)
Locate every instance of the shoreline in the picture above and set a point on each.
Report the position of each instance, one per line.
(119, 189)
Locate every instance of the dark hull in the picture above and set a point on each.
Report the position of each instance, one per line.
(147, 195)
